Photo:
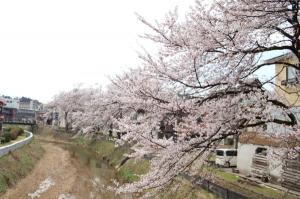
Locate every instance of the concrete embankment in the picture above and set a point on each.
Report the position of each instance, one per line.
(11, 147)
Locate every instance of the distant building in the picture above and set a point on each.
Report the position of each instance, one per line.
(10, 102)
(25, 103)
(36, 105)
(29, 104)
(26, 115)
(2, 103)
(10, 114)
(21, 109)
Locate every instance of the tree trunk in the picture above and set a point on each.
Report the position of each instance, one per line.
(66, 122)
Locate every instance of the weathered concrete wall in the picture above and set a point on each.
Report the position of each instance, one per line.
(6, 149)
(245, 155)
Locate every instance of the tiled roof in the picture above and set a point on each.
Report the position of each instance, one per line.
(264, 139)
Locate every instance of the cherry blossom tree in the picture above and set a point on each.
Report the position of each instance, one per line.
(71, 105)
(202, 81)
(199, 88)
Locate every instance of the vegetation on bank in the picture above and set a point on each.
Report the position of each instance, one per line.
(10, 134)
(182, 188)
(18, 164)
(128, 170)
(131, 170)
(251, 189)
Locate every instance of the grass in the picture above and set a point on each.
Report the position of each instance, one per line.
(127, 176)
(103, 147)
(272, 193)
(25, 127)
(132, 169)
(181, 188)
(221, 174)
(229, 177)
(235, 183)
(18, 164)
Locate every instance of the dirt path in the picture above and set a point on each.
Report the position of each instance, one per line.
(54, 176)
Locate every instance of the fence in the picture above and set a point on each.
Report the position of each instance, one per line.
(291, 175)
(6, 149)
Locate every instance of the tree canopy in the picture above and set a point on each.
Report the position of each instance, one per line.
(199, 88)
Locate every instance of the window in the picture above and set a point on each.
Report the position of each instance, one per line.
(292, 75)
(220, 153)
(231, 153)
(261, 151)
(228, 141)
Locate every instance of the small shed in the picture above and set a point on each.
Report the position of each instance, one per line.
(252, 160)
(252, 156)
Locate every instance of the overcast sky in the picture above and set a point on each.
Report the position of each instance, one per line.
(50, 46)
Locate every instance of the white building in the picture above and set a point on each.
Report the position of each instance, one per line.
(11, 102)
(253, 149)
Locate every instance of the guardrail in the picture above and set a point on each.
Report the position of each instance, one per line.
(6, 149)
(19, 122)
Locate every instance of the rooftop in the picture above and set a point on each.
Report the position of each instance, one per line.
(264, 139)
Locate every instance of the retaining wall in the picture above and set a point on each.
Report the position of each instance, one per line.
(6, 149)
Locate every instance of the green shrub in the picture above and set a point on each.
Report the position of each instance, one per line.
(14, 135)
(128, 176)
(7, 136)
(15, 132)
(2, 140)
(21, 132)
(131, 170)
(6, 129)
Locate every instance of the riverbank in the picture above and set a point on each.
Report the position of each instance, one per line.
(58, 166)
(17, 164)
(126, 170)
(66, 171)
(54, 169)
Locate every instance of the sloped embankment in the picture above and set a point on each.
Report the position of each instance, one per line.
(18, 164)
(128, 170)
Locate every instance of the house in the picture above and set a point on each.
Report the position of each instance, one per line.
(288, 79)
(255, 149)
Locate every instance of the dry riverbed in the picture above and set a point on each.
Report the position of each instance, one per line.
(57, 175)
(70, 171)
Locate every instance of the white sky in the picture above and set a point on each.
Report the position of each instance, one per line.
(50, 46)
